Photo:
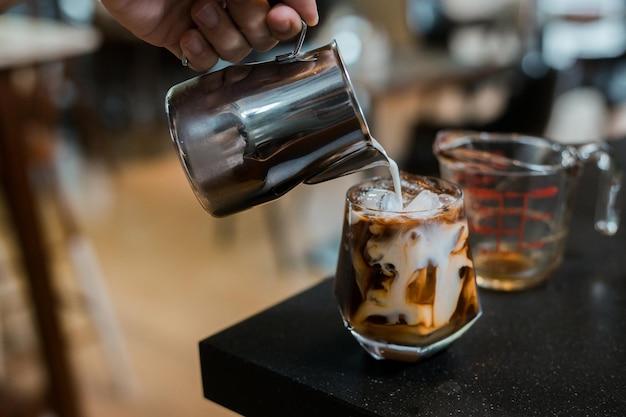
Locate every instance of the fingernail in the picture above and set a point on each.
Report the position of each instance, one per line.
(208, 16)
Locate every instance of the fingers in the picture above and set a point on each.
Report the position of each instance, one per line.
(198, 51)
(250, 17)
(284, 22)
(231, 29)
(216, 25)
(306, 9)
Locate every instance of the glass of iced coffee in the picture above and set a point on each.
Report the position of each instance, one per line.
(405, 280)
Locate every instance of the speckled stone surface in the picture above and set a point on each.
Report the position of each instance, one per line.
(557, 350)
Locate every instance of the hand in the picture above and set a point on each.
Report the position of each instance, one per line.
(207, 30)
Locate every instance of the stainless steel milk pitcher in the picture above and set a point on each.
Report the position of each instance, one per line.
(249, 133)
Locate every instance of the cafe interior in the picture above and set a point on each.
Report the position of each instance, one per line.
(110, 270)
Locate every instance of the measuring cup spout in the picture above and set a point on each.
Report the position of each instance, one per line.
(608, 205)
(479, 152)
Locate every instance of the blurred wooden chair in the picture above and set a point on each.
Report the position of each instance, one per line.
(28, 119)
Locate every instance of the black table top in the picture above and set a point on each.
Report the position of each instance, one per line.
(555, 350)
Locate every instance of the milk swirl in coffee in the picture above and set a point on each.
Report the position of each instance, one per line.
(405, 274)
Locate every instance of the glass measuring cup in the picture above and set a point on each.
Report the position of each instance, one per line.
(518, 191)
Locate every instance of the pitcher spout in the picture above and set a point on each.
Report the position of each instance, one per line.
(362, 159)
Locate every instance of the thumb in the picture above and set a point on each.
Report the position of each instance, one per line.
(307, 9)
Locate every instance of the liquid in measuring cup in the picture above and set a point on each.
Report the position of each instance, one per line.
(513, 268)
(514, 233)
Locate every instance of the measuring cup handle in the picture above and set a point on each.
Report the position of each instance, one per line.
(607, 206)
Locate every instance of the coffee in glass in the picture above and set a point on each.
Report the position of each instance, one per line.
(405, 280)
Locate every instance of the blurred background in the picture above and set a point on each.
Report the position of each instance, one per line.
(138, 273)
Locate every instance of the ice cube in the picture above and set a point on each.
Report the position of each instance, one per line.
(379, 199)
(446, 199)
(425, 200)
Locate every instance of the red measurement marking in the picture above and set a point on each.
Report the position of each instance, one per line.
(533, 245)
(488, 230)
(500, 212)
(486, 194)
(491, 211)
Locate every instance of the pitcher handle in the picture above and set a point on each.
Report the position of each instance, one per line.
(607, 214)
(293, 55)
